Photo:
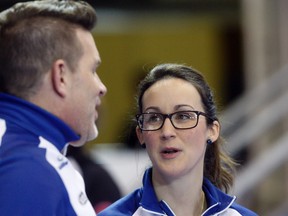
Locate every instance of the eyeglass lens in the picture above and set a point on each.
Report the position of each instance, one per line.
(180, 120)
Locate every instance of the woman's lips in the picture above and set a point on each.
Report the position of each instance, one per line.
(170, 153)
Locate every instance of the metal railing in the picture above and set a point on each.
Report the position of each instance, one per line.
(237, 116)
(252, 117)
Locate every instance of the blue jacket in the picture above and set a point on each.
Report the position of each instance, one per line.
(35, 178)
(144, 202)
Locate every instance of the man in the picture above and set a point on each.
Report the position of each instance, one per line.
(49, 95)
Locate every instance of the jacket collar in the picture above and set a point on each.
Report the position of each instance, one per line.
(149, 199)
(36, 120)
(217, 201)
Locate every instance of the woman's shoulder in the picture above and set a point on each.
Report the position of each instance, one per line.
(127, 205)
(242, 210)
(220, 202)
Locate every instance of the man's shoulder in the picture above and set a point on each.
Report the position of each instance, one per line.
(27, 184)
(28, 172)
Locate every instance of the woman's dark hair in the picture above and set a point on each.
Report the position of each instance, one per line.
(218, 166)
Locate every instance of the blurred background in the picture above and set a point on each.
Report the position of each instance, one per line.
(241, 47)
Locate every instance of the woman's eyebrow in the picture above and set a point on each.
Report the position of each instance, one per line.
(152, 108)
(178, 106)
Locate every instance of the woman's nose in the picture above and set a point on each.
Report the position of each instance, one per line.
(167, 129)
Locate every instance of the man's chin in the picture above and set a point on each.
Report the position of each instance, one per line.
(94, 134)
(77, 143)
(91, 136)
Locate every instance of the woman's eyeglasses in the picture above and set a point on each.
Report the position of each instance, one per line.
(180, 120)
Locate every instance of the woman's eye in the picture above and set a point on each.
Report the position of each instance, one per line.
(185, 116)
(154, 118)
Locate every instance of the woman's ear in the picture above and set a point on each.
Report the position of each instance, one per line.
(139, 135)
(214, 131)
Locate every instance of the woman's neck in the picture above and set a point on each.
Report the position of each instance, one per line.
(183, 195)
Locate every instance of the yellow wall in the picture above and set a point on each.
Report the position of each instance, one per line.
(128, 53)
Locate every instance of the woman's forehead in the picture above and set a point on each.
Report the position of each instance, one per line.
(172, 92)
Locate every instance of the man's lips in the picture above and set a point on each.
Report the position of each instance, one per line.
(96, 115)
(98, 103)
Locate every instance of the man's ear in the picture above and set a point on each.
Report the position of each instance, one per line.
(59, 72)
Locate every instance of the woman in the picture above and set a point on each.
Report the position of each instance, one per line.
(177, 124)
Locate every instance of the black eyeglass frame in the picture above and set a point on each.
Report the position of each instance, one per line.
(169, 116)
